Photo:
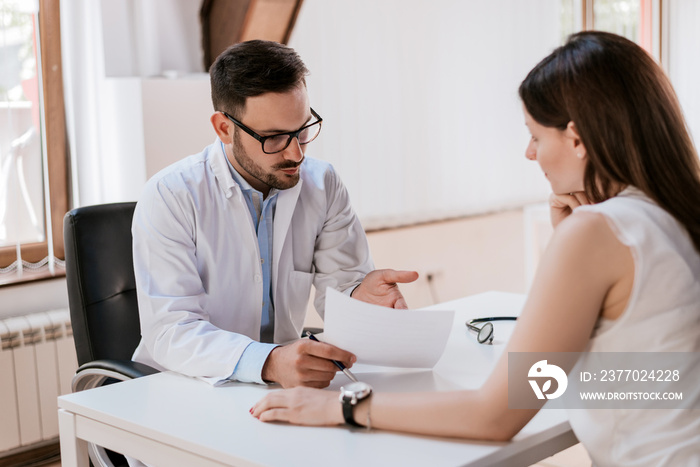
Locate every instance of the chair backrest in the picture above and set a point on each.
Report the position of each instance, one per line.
(101, 284)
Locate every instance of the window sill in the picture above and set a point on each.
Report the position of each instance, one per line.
(28, 275)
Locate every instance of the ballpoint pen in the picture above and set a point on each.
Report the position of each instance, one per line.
(347, 372)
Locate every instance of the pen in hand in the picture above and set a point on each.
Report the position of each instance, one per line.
(336, 362)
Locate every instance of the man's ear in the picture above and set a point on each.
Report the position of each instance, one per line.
(571, 132)
(223, 127)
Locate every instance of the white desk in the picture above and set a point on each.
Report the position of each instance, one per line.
(172, 420)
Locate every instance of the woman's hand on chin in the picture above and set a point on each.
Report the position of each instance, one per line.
(562, 205)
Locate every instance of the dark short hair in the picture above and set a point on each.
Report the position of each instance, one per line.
(628, 117)
(252, 68)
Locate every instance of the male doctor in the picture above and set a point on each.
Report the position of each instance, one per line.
(228, 242)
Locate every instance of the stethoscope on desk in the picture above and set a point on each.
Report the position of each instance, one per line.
(485, 333)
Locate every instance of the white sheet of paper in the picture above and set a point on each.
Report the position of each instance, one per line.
(384, 336)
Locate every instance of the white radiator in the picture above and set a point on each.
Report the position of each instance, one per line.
(37, 364)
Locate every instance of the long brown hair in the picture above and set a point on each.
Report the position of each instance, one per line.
(628, 117)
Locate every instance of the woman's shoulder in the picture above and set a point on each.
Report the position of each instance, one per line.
(589, 240)
(585, 226)
(634, 218)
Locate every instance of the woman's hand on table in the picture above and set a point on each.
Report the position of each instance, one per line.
(300, 406)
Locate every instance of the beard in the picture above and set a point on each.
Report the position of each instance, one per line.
(273, 179)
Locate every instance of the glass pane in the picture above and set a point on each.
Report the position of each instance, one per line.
(569, 17)
(622, 17)
(21, 175)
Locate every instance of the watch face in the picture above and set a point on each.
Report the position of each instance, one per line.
(350, 395)
(360, 390)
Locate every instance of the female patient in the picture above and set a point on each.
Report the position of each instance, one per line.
(621, 272)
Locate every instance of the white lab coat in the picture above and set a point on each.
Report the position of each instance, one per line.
(197, 262)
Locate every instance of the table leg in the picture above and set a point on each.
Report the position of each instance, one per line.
(74, 451)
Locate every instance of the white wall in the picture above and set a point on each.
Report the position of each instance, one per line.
(32, 297)
(148, 38)
(683, 63)
(419, 99)
(147, 129)
(175, 128)
(420, 106)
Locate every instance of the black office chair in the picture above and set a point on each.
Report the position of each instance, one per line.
(102, 300)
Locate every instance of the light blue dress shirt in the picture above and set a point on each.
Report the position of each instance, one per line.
(262, 211)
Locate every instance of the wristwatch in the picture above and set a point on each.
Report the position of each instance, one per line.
(350, 396)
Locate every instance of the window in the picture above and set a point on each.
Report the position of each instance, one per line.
(33, 167)
(622, 17)
(632, 19)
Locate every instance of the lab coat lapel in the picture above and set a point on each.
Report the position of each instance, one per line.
(222, 172)
(286, 203)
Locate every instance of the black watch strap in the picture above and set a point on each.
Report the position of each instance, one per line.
(349, 413)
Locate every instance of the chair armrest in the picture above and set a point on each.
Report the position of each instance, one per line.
(94, 374)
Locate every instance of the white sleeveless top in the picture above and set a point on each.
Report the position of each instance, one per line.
(662, 315)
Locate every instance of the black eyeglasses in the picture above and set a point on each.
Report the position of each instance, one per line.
(273, 144)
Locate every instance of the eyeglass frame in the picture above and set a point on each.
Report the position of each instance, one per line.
(291, 134)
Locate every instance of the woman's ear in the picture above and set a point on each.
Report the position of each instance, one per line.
(571, 132)
(222, 127)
